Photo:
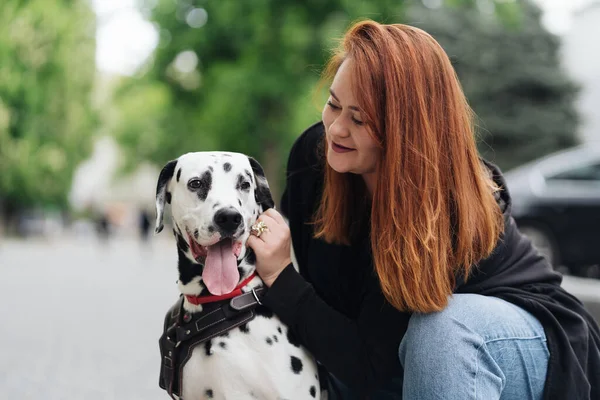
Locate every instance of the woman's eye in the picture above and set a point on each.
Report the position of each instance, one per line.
(357, 122)
(330, 104)
(245, 186)
(194, 184)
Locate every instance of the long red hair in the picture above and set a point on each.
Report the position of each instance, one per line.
(433, 212)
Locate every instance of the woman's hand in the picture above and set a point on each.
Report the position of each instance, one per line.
(272, 248)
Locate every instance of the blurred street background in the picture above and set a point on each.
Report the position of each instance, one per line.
(97, 95)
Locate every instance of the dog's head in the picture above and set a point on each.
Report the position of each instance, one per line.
(215, 198)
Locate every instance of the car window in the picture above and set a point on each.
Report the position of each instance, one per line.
(584, 173)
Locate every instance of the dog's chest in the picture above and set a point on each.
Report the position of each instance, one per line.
(258, 360)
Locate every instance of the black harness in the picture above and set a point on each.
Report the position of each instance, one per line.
(183, 331)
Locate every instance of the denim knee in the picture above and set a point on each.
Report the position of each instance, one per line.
(438, 343)
(474, 348)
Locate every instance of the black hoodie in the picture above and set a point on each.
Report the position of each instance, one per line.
(336, 309)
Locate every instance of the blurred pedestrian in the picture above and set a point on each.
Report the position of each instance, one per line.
(144, 225)
(414, 281)
(103, 227)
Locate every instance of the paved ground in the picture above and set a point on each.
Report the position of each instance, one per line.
(81, 320)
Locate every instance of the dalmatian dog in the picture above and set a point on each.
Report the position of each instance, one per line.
(215, 199)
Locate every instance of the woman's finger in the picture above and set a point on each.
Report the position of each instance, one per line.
(275, 215)
(255, 243)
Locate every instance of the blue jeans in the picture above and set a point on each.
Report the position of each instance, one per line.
(477, 348)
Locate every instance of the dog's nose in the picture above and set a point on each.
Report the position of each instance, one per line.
(228, 220)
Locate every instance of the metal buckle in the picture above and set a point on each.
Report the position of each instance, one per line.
(256, 296)
(172, 342)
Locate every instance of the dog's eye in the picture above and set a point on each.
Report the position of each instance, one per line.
(194, 184)
(245, 186)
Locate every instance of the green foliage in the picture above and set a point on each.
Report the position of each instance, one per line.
(512, 77)
(47, 69)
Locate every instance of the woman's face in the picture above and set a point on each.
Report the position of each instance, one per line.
(350, 147)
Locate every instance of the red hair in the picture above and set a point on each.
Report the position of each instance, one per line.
(433, 212)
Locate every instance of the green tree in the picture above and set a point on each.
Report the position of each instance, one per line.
(512, 77)
(236, 75)
(47, 69)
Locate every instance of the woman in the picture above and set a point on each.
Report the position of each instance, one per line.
(413, 279)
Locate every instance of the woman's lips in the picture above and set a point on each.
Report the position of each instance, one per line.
(340, 149)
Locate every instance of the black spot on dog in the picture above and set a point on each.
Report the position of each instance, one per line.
(240, 182)
(181, 243)
(227, 167)
(264, 312)
(240, 269)
(188, 270)
(178, 174)
(249, 175)
(292, 338)
(208, 347)
(240, 201)
(275, 338)
(196, 233)
(168, 197)
(223, 345)
(269, 341)
(226, 155)
(210, 168)
(296, 365)
(174, 232)
(209, 393)
(313, 391)
(244, 328)
(205, 185)
(217, 204)
(262, 193)
(279, 329)
(211, 229)
(250, 256)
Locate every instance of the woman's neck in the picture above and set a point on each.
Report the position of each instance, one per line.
(370, 182)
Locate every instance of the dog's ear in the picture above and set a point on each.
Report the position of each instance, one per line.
(162, 195)
(262, 193)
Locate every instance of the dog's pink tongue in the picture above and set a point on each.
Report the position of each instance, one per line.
(220, 273)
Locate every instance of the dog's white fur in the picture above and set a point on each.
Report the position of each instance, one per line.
(261, 363)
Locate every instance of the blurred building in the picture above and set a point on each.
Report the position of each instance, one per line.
(581, 57)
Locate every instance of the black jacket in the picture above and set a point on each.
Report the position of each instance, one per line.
(336, 308)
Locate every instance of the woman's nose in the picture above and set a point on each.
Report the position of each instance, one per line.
(338, 128)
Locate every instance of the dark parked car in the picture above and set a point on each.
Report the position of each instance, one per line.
(556, 202)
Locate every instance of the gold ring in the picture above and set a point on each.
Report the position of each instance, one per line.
(258, 228)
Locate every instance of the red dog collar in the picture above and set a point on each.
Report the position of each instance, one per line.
(196, 300)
